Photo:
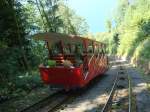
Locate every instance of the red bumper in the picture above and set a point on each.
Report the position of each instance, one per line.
(67, 77)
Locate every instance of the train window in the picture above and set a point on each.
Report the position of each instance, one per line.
(78, 50)
(56, 49)
(73, 48)
(90, 49)
(67, 49)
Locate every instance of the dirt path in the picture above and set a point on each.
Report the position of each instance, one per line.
(140, 90)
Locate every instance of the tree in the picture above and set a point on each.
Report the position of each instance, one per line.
(133, 23)
(13, 42)
(72, 23)
(121, 11)
(109, 25)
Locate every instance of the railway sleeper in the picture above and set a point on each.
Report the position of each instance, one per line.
(120, 86)
(122, 78)
(121, 72)
(121, 68)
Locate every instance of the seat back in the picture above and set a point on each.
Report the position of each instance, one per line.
(59, 59)
(71, 58)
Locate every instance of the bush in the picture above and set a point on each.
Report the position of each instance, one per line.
(21, 84)
(28, 81)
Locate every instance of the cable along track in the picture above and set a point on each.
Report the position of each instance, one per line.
(120, 96)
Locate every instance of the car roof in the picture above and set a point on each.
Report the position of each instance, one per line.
(56, 37)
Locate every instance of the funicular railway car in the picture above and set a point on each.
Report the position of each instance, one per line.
(76, 60)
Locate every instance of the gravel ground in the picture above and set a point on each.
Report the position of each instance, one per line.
(140, 90)
(120, 99)
(19, 103)
(95, 98)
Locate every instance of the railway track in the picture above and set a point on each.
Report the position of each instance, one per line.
(61, 98)
(122, 76)
(56, 101)
(49, 103)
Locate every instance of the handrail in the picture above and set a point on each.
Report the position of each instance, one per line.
(91, 59)
(86, 74)
(97, 57)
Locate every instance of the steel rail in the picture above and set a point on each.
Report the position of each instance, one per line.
(51, 103)
(42, 102)
(61, 103)
(130, 93)
(108, 104)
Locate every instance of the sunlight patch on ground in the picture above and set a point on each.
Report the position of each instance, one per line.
(140, 87)
(87, 104)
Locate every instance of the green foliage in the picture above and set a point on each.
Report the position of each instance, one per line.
(72, 23)
(14, 50)
(131, 33)
(51, 63)
(20, 55)
(143, 50)
(108, 25)
(54, 16)
(111, 39)
(21, 84)
(27, 81)
(135, 27)
(121, 11)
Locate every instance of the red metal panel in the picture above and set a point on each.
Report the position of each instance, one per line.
(73, 77)
(68, 77)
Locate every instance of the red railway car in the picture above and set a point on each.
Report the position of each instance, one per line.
(77, 60)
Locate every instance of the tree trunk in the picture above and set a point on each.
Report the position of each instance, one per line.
(19, 38)
(41, 15)
(46, 17)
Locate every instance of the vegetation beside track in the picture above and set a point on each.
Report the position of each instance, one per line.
(20, 55)
(129, 32)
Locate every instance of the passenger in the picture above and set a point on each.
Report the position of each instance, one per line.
(78, 56)
(67, 64)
